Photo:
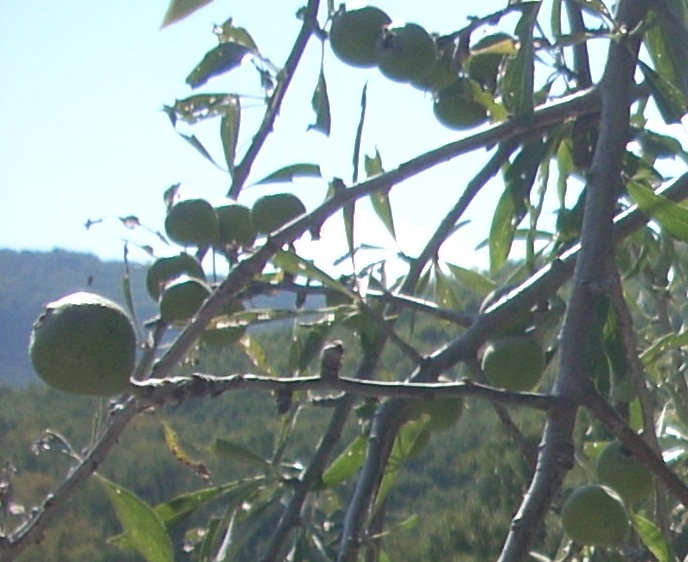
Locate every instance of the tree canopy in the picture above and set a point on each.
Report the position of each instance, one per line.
(581, 334)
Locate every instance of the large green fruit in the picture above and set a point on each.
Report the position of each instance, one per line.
(354, 34)
(514, 362)
(235, 225)
(406, 54)
(271, 212)
(455, 107)
(164, 270)
(593, 515)
(487, 55)
(192, 222)
(442, 413)
(442, 74)
(84, 344)
(182, 298)
(619, 469)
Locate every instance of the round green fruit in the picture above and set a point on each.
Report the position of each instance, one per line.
(455, 107)
(406, 54)
(221, 332)
(443, 413)
(487, 55)
(164, 270)
(593, 515)
(192, 222)
(84, 344)
(271, 212)
(235, 227)
(442, 74)
(182, 298)
(621, 471)
(514, 362)
(354, 34)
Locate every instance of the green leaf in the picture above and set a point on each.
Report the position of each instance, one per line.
(446, 289)
(347, 464)
(518, 75)
(472, 280)
(320, 102)
(193, 141)
(662, 345)
(666, 41)
(359, 133)
(291, 172)
(670, 216)
(504, 223)
(144, 529)
(200, 107)
(239, 453)
(175, 446)
(671, 102)
(221, 59)
(229, 131)
(373, 165)
(652, 538)
(296, 265)
(179, 9)
(228, 33)
(179, 508)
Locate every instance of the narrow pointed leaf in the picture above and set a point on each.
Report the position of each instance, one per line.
(670, 216)
(662, 345)
(236, 452)
(229, 132)
(145, 531)
(221, 59)
(255, 352)
(667, 41)
(373, 165)
(320, 102)
(347, 464)
(179, 453)
(518, 76)
(472, 280)
(200, 107)
(671, 102)
(179, 9)
(296, 265)
(502, 229)
(193, 141)
(652, 538)
(291, 172)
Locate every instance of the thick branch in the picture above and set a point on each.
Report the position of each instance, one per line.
(597, 245)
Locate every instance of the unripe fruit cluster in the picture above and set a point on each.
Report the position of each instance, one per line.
(366, 37)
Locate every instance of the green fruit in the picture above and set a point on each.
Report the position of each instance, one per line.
(513, 362)
(271, 212)
(164, 270)
(442, 74)
(192, 222)
(220, 332)
(455, 107)
(406, 54)
(181, 299)
(235, 225)
(487, 55)
(355, 33)
(618, 469)
(443, 413)
(593, 515)
(84, 344)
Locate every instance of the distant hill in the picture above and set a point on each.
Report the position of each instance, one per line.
(29, 280)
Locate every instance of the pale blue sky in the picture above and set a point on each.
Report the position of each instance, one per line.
(82, 135)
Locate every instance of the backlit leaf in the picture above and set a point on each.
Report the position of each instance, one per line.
(221, 59)
(672, 217)
(291, 172)
(518, 75)
(229, 131)
(347, 464)
(144, 529)
(179, 9)
(320, 102)
(671, 102)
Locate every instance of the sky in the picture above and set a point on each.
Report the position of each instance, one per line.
(83, 137)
